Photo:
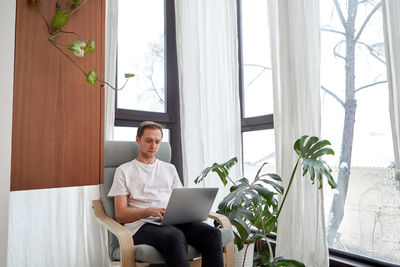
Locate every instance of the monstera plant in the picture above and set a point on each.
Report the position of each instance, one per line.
(253, 208)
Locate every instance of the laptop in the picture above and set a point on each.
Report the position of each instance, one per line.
(186, 205)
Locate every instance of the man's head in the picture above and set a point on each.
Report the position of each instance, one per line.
(149, 135)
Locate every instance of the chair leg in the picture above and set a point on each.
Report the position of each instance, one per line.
(230, 255)
(195, 263)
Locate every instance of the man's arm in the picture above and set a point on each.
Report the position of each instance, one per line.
(126, 214)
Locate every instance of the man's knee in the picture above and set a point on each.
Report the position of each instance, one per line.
(214, 237)
(175, 238)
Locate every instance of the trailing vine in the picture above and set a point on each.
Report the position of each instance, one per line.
(78, 46)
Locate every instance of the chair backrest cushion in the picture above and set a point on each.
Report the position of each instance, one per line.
(115, 154)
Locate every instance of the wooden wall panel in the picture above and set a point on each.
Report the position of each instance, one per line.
(57, 137)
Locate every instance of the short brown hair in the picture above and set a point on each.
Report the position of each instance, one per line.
(148, 125)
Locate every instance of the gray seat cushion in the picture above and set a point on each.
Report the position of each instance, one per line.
(147, 253)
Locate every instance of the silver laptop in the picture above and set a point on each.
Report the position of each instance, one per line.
(186, 205)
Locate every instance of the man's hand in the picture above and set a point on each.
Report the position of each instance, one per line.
(156, 212)
(125, 214)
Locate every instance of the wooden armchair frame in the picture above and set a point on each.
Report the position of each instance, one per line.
(126, 242)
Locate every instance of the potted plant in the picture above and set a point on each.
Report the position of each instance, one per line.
(252, 207)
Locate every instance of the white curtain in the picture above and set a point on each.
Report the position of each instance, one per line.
(208, 80)
(111, 66)
(56, 227)
(391, 22)
(294, 27)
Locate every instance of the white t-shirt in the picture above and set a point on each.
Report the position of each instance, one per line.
(146, 185)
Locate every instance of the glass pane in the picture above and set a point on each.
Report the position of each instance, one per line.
(141, 51)
(368, 223)
(258, 147)
(257, 75)
(129, 134)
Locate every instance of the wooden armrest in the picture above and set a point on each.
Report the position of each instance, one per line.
(229, 248)
(221, 219)
(124, 236)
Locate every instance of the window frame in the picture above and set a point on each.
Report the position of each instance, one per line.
(263, 122)
(170, 119)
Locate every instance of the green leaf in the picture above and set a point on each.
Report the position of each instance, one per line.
(221, 169)
(77, 46)
(276, 186)
(90, 47)
(244, 181)
(129, 75)
(222, 174)
(310, 142)
(60, 19)
(274, 176)
(238, 241)
(288, 263)
(91, 77)
(263, 191)
(243, 229)
(331, 181)
(298, 145)
(309, 151)
(263, 259)
(316, 147)
(233, 188)
(323, 151)
(77, 2)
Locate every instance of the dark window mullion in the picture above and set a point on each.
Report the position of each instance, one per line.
(264, 122)
(173, 87)
(240, 56)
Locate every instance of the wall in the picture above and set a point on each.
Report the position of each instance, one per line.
(7, 30)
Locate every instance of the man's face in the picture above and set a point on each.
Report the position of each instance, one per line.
(149, 143)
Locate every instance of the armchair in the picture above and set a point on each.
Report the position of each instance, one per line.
(121, 248)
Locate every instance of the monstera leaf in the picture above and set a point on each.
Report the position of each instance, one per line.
(221, 169)
(264, 259)
(310, 151)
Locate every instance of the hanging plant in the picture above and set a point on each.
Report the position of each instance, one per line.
(78, 47)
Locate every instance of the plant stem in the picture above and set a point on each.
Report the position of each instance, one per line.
(60, 44)
(73, 11)
(45, 19)
(245, 253)
(287, 191)
(229, 178)
(257, 177)
(76, 64)
(74, 33)
(112, 87)
(68, 6)
(61, 31)
(271, 253)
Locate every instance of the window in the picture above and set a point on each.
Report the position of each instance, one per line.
(150, 52)
(255, 87)
(363, 214)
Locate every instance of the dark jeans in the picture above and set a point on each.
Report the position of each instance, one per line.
(172, 240)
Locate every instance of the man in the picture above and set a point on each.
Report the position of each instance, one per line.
(141, 188)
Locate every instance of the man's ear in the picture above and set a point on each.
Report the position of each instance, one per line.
(137, 139)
